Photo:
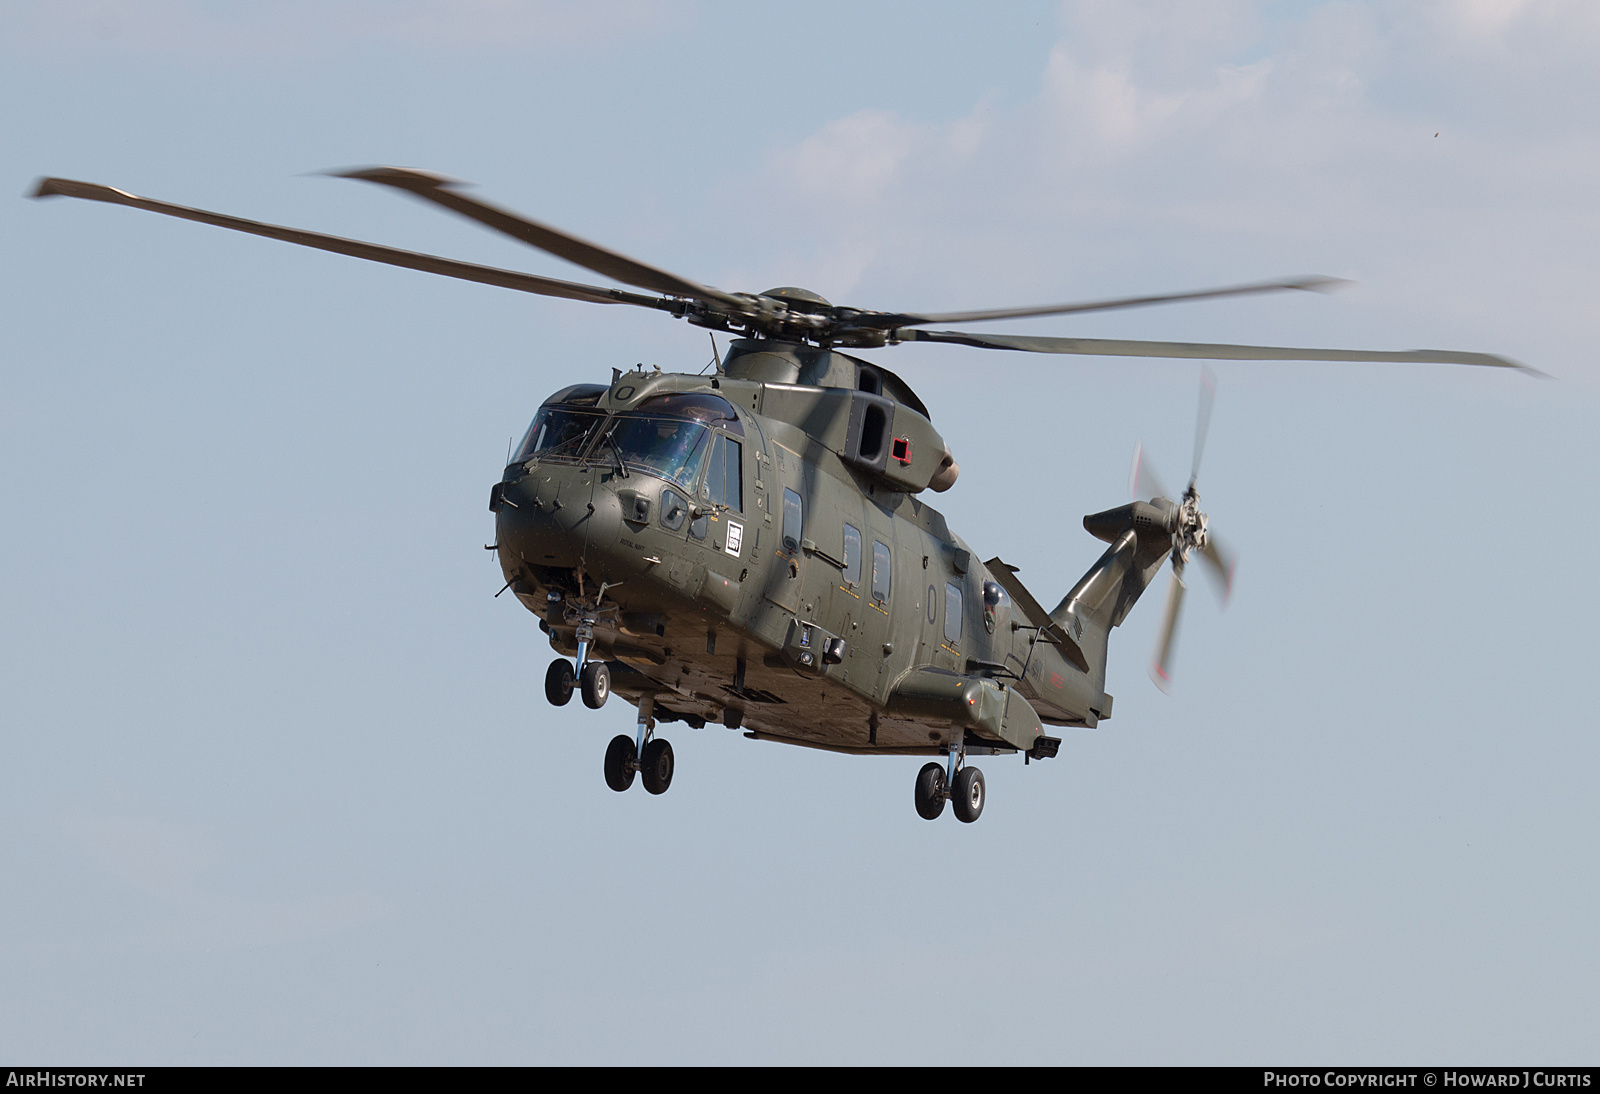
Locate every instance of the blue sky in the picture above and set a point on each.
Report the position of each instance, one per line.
(278, 780)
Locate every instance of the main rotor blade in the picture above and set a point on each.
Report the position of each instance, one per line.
(1161, 666)
(1209, 351)
(890, 321)
(591, 256)
(393, 256)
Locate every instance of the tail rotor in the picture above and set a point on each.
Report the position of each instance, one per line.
(1191, 534)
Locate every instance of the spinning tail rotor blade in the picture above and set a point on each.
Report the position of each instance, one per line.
(1202, 423)
(373, 252)
(1205, 351)
(1143, 483)
(1161, 666)
(1220, 562)
(591, 256)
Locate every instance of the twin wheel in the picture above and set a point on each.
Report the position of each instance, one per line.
(623, 759)
(966, 795)
(654, 768)
(595, 683)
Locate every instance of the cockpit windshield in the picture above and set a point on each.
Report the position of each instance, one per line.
(670, 447)
(560, 432)
(669, 436)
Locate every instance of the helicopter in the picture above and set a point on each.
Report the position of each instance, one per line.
(753, 547)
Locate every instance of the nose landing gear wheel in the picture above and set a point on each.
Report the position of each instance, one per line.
(558, 683)
(967, 796)
(619, 763)
(595, 684)
(930, 791)
(656, 767)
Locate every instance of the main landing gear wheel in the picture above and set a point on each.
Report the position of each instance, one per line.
(620, 766)
(930, 791)
(656, 767)
(595, 684)
(967, 794)
(558, 683)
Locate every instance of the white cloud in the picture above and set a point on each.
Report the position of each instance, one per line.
(846, 172)
(853, 159)
(1487, 18)
(1106, 103)
(1168, 147)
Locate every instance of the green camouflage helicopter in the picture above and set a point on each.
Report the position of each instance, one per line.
(752, 547)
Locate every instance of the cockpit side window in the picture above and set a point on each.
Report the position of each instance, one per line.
(725, 474)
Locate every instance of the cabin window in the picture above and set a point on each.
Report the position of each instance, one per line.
(880, 572)
(558, 431)
(852, 555)
(952, 613)
(724, 476)
(793, 522)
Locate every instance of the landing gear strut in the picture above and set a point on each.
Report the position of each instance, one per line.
(953, 780)
(594, 679)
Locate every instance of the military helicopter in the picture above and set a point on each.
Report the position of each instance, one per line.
(752, 547)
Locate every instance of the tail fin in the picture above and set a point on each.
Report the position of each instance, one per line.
(1141, 538)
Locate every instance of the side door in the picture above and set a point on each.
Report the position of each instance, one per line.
(824, 595)
(788, 563)
(717, 525)
(882, 589)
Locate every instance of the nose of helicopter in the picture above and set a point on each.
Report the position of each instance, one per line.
(558, 519)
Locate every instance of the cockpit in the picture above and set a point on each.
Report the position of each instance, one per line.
(564, 425)
(671, 436)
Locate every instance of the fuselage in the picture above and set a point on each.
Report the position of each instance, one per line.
(739, 556)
